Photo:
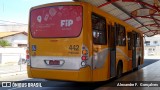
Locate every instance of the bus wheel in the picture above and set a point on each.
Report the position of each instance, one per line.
(119, 69)
(135, 69)
(139, 63)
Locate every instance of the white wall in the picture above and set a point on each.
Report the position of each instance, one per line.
(152, 39)
(11, 55)
(152, 51)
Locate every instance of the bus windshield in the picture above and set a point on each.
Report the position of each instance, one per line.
(56, 21)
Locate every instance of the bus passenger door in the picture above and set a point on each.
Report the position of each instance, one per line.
(112, 48)
(134, 36)
(130, 47)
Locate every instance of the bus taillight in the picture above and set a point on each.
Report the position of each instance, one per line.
(27, 56)
(84, 56)
(84, 52)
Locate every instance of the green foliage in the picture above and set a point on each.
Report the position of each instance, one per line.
(4, 43)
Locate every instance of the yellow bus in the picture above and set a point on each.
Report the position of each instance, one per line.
(75, 41)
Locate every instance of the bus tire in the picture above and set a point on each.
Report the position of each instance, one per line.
(135, 69)
(119, 69)
(139, 61)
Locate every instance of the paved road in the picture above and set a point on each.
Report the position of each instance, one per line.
(12, 68)
(58, 85)
(148, 62)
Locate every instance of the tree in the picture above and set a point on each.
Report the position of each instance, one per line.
(4, 43)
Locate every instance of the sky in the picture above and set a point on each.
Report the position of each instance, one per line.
(18, 10)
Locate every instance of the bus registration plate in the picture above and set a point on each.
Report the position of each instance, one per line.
(54, 62)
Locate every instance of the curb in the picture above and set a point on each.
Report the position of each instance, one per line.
(12, 74)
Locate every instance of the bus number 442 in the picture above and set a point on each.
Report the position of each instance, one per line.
(74, 47)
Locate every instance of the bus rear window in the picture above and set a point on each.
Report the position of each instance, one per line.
(56, 21)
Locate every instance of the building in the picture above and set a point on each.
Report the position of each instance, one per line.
(152, 46)
(16, 39)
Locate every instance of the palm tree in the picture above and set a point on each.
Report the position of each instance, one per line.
(4, 43)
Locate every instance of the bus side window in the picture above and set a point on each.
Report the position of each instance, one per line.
(117, 28)
(121, 35)
(99, 29)
(110, 43)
